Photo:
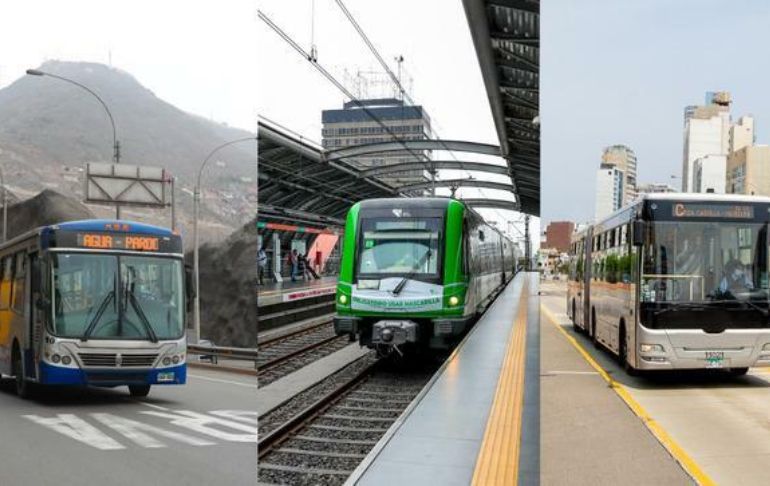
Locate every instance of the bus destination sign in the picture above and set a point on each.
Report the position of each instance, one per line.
(105, 241)
(698, 210)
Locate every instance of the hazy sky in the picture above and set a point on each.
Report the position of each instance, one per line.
(622, 72)
(199, 56)
(431, 35)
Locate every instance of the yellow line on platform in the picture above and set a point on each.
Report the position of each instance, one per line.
(688, 463)
(498, 459)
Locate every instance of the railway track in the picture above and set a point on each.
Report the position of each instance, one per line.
(323, 443)
(284, 354)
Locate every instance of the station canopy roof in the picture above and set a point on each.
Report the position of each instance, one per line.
(506, 36)
(296, 186)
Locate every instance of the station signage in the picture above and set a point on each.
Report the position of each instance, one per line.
(699, 210)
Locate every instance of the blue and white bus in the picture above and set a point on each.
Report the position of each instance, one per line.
(96, 302)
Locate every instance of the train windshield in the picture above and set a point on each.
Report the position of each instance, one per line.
(706, 262)
(392, 247)
(100, 296)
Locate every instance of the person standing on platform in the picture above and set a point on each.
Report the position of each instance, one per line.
(294, 263)
(262, 266)
(302, 266)
(307, 272)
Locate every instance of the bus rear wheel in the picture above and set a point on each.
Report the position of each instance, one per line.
(139, 390)
(23, 387)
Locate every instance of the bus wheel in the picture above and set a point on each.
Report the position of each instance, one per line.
(23, 387)
(574, 320)
(139, 390)
(623, 351)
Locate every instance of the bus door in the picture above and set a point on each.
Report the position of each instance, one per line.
(587, 274)
(36, 297)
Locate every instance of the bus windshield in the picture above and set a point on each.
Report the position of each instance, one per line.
(705, 262)
(100, 296)
(398, 246)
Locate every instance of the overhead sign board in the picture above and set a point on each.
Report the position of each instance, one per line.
(129, 185)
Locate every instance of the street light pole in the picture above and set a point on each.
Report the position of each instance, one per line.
(196, 237)
(115, 142)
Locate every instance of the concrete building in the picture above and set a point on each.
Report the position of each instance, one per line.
(706, 132)
(624, 159)
(653, 187)
(748, 171)
(741, 134)
(710, 174)
(352, 125)
(558, 234)
(609, 191)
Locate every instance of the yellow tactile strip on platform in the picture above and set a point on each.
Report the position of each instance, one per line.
(498, 460)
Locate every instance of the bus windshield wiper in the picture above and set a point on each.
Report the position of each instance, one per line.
(99, 312)
(130, 297)
(142, 317)
(409, 275)
(681, 305)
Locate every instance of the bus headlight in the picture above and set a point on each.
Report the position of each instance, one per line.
(453, 301)
(66, 360)
(343, 299)
(55, 358)
(166, 361)
(766, 347)
(650, 348)
(175, 359)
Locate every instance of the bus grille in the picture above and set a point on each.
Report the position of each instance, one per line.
(111, 360)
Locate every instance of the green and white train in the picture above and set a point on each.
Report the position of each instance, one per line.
(415, 272)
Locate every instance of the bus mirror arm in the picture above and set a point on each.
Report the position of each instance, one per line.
(190, 290)
(42, 303)
(639, 233)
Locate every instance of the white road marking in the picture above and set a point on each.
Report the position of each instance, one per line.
(250, 417)
(205, 424)
(219, 380)
(76, 428)
(136, 432)
(226, 425)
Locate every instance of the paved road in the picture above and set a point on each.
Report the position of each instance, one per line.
(721, 423)
(200, 433)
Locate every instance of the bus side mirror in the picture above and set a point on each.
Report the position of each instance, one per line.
(189, 286)
(639, 233)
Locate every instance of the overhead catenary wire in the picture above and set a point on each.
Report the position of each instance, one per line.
(262, 16)
(404, 94)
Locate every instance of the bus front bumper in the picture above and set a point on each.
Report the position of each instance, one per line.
(696, 349)
(60, 375)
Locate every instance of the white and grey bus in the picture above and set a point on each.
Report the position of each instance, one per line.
(676, 281)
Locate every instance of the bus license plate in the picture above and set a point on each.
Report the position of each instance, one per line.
(166, 377)
(715, 359)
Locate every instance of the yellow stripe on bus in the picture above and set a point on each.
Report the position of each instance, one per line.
(690, 466)
(498, 459)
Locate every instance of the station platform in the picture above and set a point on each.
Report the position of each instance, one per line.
(477, 421)
(288, 291)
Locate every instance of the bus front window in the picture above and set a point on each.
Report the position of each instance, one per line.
(697, 262)
(117, 297)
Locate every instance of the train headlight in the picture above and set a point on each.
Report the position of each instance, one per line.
(453, 301)
(343, 299)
